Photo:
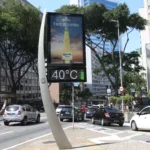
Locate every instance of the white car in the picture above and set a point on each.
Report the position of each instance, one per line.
(141, 120)
(20, 113)
(59, 108)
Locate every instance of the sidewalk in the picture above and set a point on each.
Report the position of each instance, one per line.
(83, 139)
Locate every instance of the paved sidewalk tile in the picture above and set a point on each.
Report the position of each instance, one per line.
(78, 138)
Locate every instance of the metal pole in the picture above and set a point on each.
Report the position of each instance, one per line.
(56, 128)
(72, 106)
(120, 59)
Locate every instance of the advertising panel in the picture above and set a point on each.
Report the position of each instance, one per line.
(66, 47)
(66, 39)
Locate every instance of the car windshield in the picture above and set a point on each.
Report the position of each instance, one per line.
(111, 110)
(68, 109)
(95, 107)
(60, 106)
(91, 109)
(12, 108)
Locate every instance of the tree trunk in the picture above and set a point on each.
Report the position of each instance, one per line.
(14, 98)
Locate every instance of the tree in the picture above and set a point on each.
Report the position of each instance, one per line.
(130, 68)
(134, 80)
(66, 94)
(19, 33)
(113, 100)
(127, 99)
(85, 94)
(98, 22)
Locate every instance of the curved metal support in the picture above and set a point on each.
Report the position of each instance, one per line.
(3, 107)
(56, 128)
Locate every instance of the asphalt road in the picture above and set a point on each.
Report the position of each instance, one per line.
(15, 133)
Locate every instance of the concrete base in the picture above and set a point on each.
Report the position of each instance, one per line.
(128, 116)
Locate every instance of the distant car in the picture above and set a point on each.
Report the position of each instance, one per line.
(59, 108)
(20, 113)
(90, 112)
(107, 115)
(141, 120)
(66, 113)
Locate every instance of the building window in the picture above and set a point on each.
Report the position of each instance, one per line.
(149, 7)
(149, 15)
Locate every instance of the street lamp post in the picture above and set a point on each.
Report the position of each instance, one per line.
(108, 95)
(120, 60)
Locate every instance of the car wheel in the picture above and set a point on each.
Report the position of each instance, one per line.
(134, 126)
(6, 123)
(102, 121)
(24, 121)
(61, 119)
(109, 124)
(93, 120)
(120, 124)
(38, 119)
(82, 118)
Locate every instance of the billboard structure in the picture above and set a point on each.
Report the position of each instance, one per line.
(66, 48)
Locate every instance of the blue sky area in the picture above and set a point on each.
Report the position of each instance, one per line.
(134, 5)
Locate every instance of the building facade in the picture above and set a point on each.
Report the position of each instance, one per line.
(96, 82)
(145, 41)
(110, 4)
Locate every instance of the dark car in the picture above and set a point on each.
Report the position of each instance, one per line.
(107, 115)
(90, 112)
(66, 113)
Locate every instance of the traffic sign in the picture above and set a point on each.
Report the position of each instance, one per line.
(121, 88)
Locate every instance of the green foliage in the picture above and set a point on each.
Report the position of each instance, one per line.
(119, 100)
(127, 98)
(66, 96)
(86, 93)
(130, 73)
(113, 99)
(70, 9)
(19, 32)
(133, 80)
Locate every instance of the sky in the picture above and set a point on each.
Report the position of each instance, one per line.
(134, 5)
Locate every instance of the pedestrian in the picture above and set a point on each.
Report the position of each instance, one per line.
(133, 105)
(111, 105)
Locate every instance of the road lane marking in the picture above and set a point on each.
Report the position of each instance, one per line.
(131, 136)
(106, 139)
(6, 132)
(32, 140)
(98, 131)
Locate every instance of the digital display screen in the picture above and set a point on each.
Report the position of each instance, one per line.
(62, 75)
